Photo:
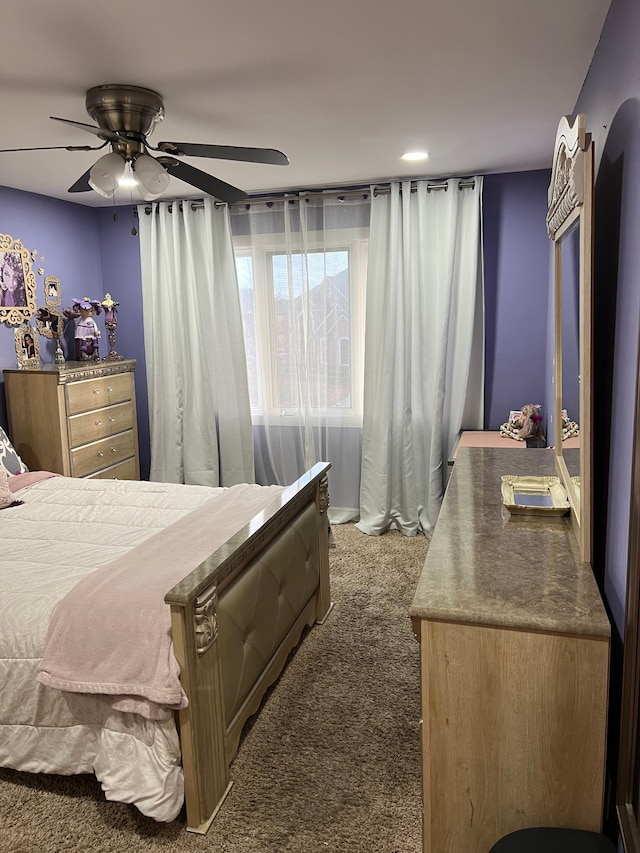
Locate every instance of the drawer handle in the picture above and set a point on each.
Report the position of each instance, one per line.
(98, 423)
(109, 388)
(112, 420)
(100, 453)
(114, 449)
(96, 390)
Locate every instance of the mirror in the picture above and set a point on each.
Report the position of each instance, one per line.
(570, 226)
(570, 308)
(534, 495)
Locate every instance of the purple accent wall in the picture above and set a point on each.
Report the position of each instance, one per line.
(610, 100)
(121, 277)
(516, 267)
(91, 254)
(66, 235)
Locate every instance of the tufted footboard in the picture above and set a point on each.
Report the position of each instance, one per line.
(235, 620)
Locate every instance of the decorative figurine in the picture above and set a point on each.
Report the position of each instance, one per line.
(51, 324)
(87, 333)
(110, 322)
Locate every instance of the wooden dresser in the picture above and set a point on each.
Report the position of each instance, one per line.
(514, 649)
(78, 419)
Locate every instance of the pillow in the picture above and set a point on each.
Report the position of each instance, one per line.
(6, 495)
(9, 459)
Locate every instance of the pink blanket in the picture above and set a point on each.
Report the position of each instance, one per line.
(21, 481)
(111, 633)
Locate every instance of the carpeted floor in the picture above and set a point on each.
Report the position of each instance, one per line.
(331, 764)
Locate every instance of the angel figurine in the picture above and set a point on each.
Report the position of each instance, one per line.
(111, 321)
(87, 333)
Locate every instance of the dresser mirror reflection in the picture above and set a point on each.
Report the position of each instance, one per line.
(570, 227)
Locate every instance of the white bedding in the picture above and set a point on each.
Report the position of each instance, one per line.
(65, 529)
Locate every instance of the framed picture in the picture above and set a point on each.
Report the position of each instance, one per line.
(17, 282)
(52, 291)
(27, 346)
(50, 323)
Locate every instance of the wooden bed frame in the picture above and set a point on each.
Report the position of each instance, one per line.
(208, 741)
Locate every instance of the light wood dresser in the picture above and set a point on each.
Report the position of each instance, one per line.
(77, 419)
(514, 654)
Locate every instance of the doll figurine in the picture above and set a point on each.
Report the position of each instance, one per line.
(111, 321)
(87, 333)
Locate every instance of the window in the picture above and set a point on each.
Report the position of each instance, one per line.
(345, 351)
(303, 316)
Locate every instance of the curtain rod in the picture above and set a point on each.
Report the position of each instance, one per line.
(298, 195)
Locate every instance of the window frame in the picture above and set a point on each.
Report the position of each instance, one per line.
(261, 249)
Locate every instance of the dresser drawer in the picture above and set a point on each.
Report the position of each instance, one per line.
(99, 392)
(102, 454)
(127, 470)
(91, 426)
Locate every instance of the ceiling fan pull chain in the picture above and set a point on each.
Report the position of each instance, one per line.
(134, 230)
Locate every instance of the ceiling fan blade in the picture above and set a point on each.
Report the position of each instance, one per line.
(55, 148)
(82, 184)
(225, 152)
(203, 181)
(91, 128)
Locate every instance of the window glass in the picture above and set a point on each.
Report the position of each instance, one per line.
(303, 314)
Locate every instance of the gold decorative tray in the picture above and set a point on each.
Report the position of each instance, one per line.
(534, 495)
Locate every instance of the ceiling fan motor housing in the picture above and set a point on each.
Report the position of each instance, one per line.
(125, 109)
(119, 108)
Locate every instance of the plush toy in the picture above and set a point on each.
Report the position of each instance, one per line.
(87, 333)
(525, 425)
(569, 427)
(531, 422)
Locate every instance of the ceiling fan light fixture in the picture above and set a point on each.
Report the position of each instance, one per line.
(153, 180)
(106, 174)
(128, 179)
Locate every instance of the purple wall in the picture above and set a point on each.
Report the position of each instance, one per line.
(91, 255)
(66, 235)
(121, 277)
(610, 100)
(516, 262)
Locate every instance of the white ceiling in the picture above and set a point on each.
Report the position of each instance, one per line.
(343, 87)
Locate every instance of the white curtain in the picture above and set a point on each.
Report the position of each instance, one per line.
(424, 351)
(301, 269)
(199, 411)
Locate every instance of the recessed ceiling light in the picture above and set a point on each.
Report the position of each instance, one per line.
(415, 155)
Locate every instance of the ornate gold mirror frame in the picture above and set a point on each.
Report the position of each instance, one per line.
(570, 226)
(17, 282)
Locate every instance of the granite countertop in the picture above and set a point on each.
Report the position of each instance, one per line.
(487, 567)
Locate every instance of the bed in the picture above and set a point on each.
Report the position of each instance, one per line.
(209, 590)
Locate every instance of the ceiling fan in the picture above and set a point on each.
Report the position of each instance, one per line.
(126, 115)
